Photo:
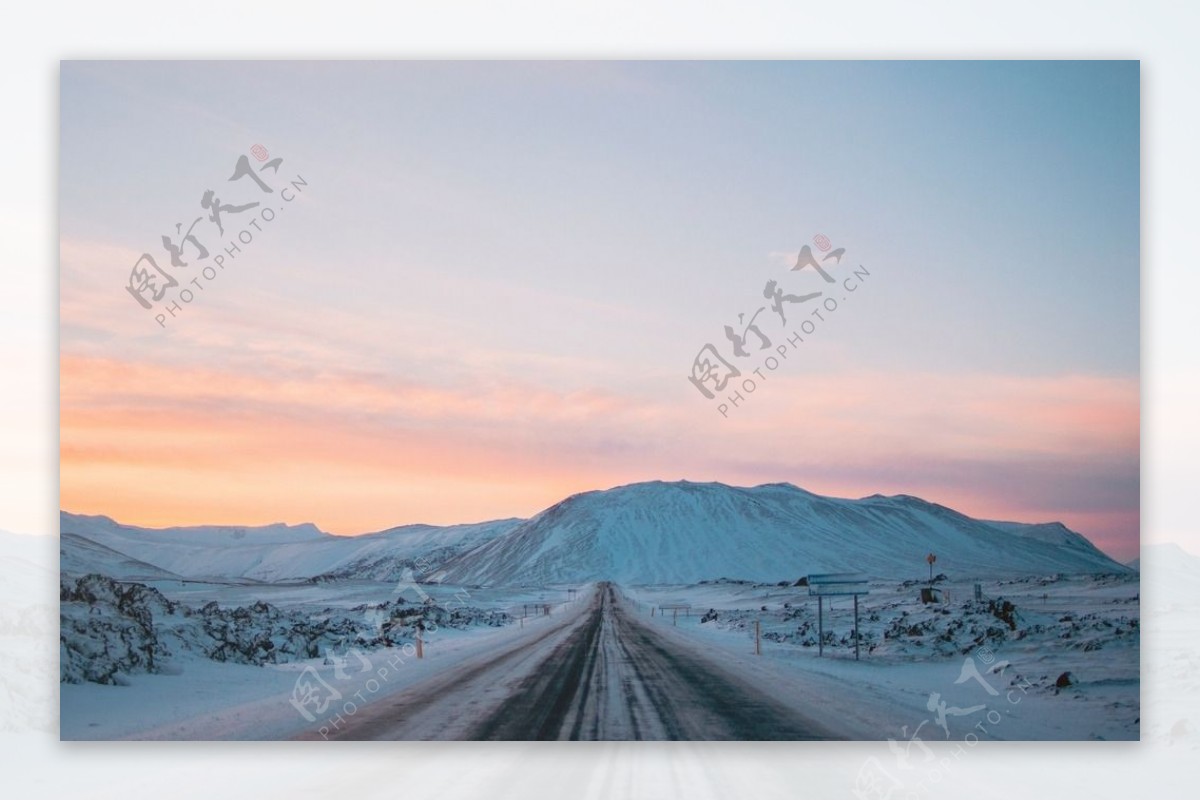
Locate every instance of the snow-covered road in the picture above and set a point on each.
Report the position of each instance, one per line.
(599, 673)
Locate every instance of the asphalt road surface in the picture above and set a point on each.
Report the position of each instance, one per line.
(601, 673)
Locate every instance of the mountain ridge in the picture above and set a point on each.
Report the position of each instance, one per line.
(646, 532)
(751, 532)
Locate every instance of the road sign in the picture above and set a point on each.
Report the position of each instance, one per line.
(822, 584)
(838, 584)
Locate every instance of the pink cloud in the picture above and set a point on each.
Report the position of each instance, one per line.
(157, 444)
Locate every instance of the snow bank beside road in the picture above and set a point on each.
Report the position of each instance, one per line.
(1085, 626)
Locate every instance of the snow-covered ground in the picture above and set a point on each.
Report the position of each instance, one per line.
(1084, 626)
(207, 700)
(187, 660)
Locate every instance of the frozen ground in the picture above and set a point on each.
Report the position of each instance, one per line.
(199, 670)
(989, 669)
(208, 700)
(1088, 627)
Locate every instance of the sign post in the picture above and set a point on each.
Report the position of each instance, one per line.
(856, 628)
(823, 584)
(687, 609)
(820, 625)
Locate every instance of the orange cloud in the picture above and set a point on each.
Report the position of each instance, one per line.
(356, 451)
(155, 445)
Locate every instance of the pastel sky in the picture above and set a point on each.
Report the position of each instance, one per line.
(490, 292)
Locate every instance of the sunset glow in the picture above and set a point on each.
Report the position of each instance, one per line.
(452, 326)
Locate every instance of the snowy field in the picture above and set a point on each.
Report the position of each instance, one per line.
(206, 700)
(1087, 627)
(247, 694)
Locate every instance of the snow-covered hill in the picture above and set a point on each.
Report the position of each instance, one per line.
(647, 533)
(79, 556)
(264, 553)
(683, 532)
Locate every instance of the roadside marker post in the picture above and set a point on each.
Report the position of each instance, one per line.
(757, 638)
(420, 646)
(856, 628)
(831, 584)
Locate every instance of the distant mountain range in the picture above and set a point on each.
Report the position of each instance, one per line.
(648, 533)
(273, 553)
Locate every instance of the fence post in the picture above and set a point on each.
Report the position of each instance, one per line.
(856, 627)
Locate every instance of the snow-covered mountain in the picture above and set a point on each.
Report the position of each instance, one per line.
(647, 533)
(261, 553)
(683, 532)
(79, 556)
